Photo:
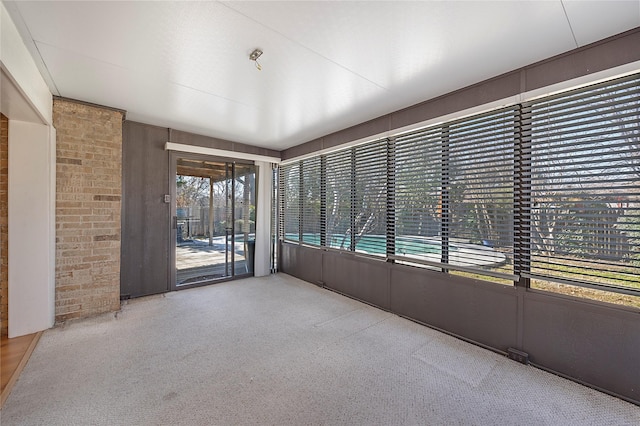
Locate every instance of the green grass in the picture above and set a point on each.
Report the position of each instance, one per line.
(623, 276)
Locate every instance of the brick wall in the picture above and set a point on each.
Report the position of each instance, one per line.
(4, 222)
(88, 194)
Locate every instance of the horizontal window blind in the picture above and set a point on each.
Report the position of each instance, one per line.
(417, 195)
(547, 190)
(279, 179)
(480, 168)
(585, 186)
(338, 182)
(290, 184)
(310, 196)
(370, 198)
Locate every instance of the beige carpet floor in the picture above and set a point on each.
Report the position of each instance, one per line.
(279, 351)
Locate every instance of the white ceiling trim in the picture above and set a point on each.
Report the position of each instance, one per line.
(171, 146)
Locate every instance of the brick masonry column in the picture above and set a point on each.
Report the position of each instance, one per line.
(88, 197)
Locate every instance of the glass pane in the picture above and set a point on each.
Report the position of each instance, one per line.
(418, 214)
(215, 220)
(311, 201)
(245, 218)
(481, 198)
(585, 216)
(291, 204)
(339, 200)
(200, 218)
(370, 201)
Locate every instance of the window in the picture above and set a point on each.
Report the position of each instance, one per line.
(311, 201)
(418, 196)
(454, 196)
(543, 194)
(370, 199)
(338, 193)
(585, 188)
(290, 190)
(478, 156)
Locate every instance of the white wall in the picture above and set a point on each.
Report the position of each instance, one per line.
(30, 237)
(27, 102)
(17, 62)
(262, 256)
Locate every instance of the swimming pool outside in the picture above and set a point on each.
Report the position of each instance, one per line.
(461, 252)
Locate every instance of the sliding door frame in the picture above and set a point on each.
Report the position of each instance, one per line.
(171, 264)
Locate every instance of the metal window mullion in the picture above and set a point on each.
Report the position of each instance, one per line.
(352, 216)
(522, 197)
(354, 198)
(444, 195)
(281, 202)
(233, 219)
(323, 200)
(391, 197)
(300, 201)
(275, 216)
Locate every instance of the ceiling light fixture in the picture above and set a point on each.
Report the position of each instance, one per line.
(253, 56)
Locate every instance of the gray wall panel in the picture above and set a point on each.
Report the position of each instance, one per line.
(145, 216)
(482, 312)
(340, 273)
(309, 266)
(363, 130)
(249, 149)
(596, 344)
(186, 138)
(599, 56)
(363, 279)
(305, 148)
(287, 259)
(488, 91)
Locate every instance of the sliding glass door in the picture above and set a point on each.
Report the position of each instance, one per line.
(213, 222)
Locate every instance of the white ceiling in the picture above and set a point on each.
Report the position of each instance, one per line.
(326, 65)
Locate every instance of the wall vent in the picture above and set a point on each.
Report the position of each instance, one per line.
(516, 355)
